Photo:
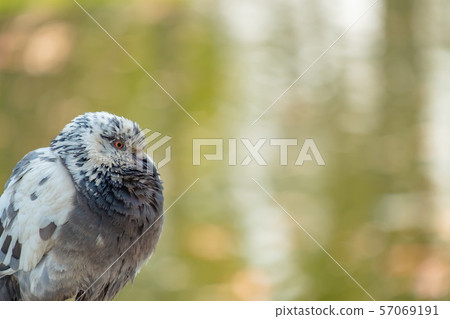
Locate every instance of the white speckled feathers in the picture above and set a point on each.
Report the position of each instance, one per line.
(36, 201)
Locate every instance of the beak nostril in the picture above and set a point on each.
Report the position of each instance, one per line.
(141, 160)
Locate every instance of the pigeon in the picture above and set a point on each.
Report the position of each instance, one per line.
(80, 218)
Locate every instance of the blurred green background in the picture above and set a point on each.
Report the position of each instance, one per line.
(377, 106)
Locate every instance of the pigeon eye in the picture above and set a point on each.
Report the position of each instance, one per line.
(119, 144)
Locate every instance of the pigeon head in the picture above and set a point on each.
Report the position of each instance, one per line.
(105, 154)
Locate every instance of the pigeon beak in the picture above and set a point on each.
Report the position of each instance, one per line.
(143, 161)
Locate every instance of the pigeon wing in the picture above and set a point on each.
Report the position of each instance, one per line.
(36, 201)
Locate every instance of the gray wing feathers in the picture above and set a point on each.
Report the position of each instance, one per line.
(36, 200)
(9, 289)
